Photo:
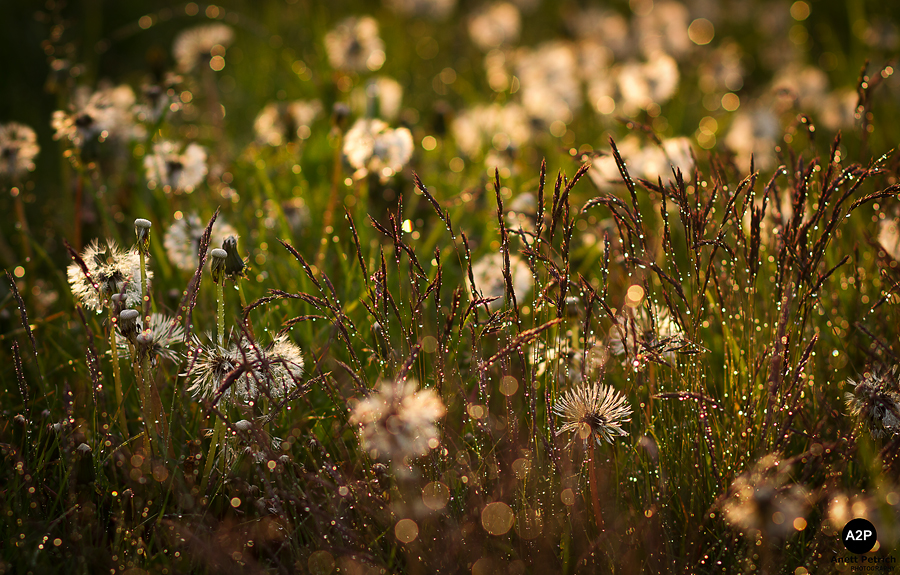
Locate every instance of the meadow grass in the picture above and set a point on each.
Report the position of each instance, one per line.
(380, 375)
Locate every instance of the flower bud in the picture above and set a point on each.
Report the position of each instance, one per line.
(235, 265)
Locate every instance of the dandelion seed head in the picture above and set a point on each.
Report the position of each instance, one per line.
(182, 240)
(647, 83)
(551, 87)
(763, 500)
(371, 146)
(482, 128)
(273, 371)
(281, 122)
(18, 148)
(593, 410)
(399, 420)
(195, 44)
(754, 132)
(634, 337)
(875, 401)
(112, 270)
(104, 114)
(496, 25)
(889, 236)
(489, 280)
(160, 337)
(354, 45)
(431, 9)
(175, 169)
(380, 97)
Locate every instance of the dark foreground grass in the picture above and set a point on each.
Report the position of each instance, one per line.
(403, 365)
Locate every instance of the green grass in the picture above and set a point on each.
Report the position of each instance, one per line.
(371, 279)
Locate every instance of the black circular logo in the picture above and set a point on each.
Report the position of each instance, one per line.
(859, 536)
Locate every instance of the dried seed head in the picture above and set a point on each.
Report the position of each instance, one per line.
(111, 271)
(875, 401)
(593, 410)
(142, 231)
(128, 325)
(217, 264)
(764, 500)
(399, 421)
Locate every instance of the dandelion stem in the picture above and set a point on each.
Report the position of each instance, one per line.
(220, 312)
(150, 410)
(595, 498)
(145, 294)
(142, 391)
(247, 324)
(117, 374)
(23, 225)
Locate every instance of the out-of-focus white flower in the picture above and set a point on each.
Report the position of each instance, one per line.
(838, 109)
(603, 26)
(495, 25)
(642, 84)
(354, 45)
(491, 127)
(889, 236)
(201, 43)
(490, 283)
(104, 114)
(806, 87)
(182, 240)
(664, 29)
(649, 162)
(754, 132)
(18, 148)
(764, 501)
(280, 122)
(174, 170)
(371, 146)
(431, 9)
(646, 335)
(497, 68)
(657, 161)
(551, 90)
(398, 421)
(722, 70)
(875, 401)
(379, 98)
(156, 98)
